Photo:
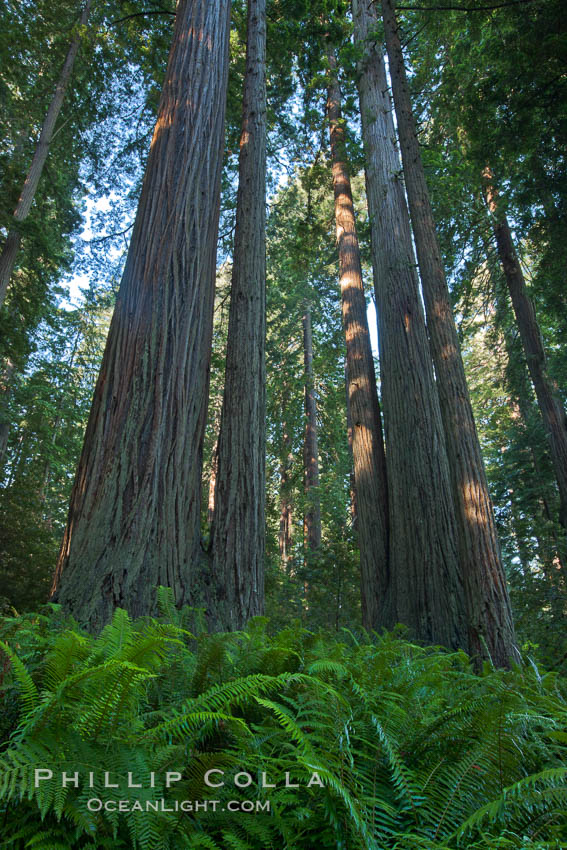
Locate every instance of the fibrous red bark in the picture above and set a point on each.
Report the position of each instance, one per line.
(134, 517)
(425, 591)
(489, 616)
(367, 441)
(238, 525)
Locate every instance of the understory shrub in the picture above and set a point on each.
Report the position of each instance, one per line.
(411, 748)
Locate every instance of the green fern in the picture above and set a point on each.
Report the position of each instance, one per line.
(413, 749)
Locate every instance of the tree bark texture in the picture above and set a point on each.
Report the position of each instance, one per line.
(13, 240)
(134, 518)
(549, 402)
(367, 439)
(426, 590)
(312, 518)
(238, 530)
(489, 616)
(353, 511)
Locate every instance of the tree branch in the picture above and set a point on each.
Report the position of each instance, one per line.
(141, 14)
(109, 235)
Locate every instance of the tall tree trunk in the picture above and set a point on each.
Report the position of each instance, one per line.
(353, 511)
(489, 616)
(312, 518)
(285, 535)
(549, 402)
(367, 440)
(238, 526)
(551, 548)
(426, 590)
(12, 244)
(520, 402)
(59, 416)
(134, 518)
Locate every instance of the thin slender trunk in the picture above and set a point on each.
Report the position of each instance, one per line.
(490, 624)
(554, 551)
(134, 518)
(521, 547)
(18, 460)
(367, 440)
(238, 526)
(47, 468)
(59, 417)
(549, 402)
(285, 534)
(312, 518)
(426, 590)
(12, 244)
(518, 384)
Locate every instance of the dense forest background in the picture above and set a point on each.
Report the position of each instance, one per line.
(315, 443)
(487, 86)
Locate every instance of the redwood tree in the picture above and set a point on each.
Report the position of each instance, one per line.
(367, 441)
(489, 617)
(426, 590)
(134, 516)
(238, 524)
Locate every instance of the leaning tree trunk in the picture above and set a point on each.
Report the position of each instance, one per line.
(489, 616)
(238, 525)
(520, 403)
(426, 590)
(367, 440)
(549, 402)
(312, 517)
(12, 244)
(134, 518)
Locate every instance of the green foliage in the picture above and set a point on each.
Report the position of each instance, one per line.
(321, 587)
(412, 749)
(47, 409)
